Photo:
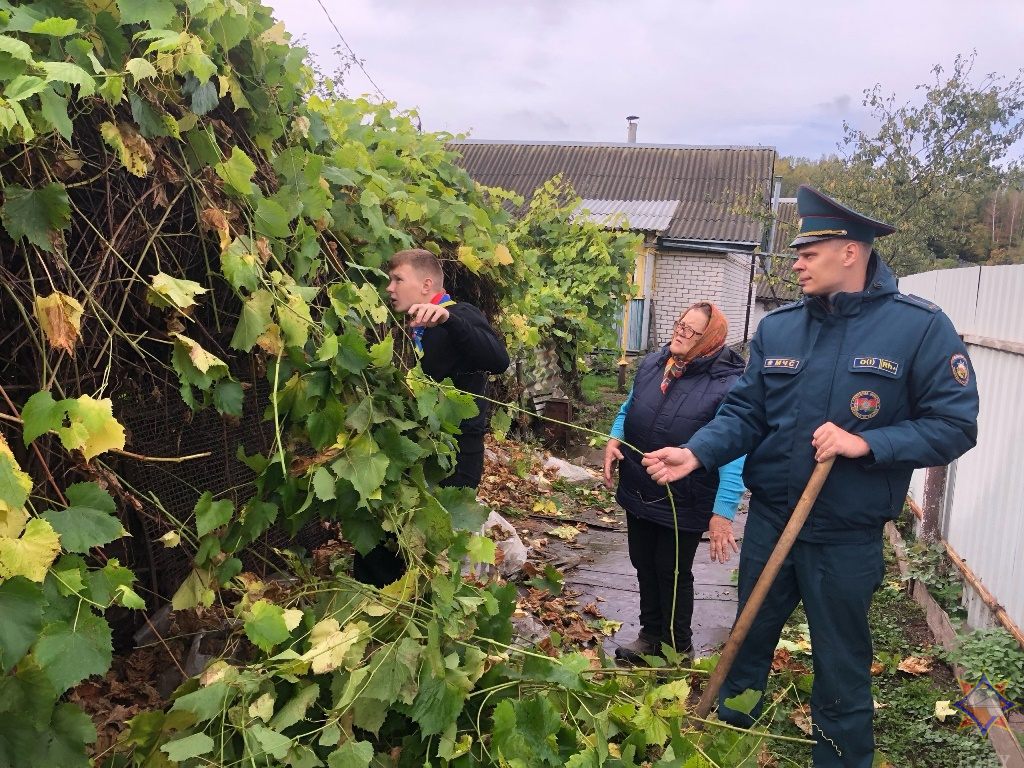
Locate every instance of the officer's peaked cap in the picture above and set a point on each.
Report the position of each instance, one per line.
(822, 218)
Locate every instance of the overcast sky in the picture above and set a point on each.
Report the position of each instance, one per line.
(783, 73)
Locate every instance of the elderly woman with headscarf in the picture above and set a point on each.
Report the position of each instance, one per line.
(675, 392)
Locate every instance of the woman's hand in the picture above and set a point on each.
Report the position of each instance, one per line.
(612, 454)
(720, 534)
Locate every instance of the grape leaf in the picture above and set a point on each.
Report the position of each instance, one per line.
(36, 214)
(55, 26)
(323, 484)
(41, 414)
(264, 625)
(69, 653)
(173, 292)
(194, 590)
(211, 514)
(93, 426)
(254, 320)
(55, 112)
(228, 398)
(66, 72)
(16, 48)
(332, 646)
(364, 466)
(89, 520)
(270, 742)
(295, 709)
(438, 702)
(271, 219)
(188, 747)
(208, 702)
(60, 317)
(21, 605)
(70, 730)
(158, 14)
(31, 554)
(15, 485)
(237, 171)
(140, 69)
(351, 754)
(501, 421)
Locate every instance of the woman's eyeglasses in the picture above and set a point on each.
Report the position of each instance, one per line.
(687, 331)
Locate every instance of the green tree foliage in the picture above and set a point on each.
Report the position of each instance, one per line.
(575, 277)
(928, 163)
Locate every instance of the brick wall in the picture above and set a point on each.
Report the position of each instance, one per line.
(736, 290)
(680, 279)
(683, 278)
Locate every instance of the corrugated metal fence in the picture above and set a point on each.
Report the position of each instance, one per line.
(983, 517)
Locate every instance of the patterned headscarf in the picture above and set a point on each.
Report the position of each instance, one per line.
(708, 343)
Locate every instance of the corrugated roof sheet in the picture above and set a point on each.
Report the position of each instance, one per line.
(709, 183)
(786, 225)
(780, 284)
(644, 215)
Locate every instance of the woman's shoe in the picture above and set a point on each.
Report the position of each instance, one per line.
(633, 652)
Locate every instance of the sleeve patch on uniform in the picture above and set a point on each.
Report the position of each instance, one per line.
(879, 364)
(781, 363)
(961, 370)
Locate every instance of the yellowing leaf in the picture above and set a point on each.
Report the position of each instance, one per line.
(32, 554)
(470, 259)
(140, 69)
(332, 646)
(200, 358)
(292, 618)
(93, 428)
(262, 708)
(270, 340)
(12, 521)
(173, 293)
(135, 153)
(916, 665)
(943, 710)
(564, 532)
(15, 484)
(502, 255)
(60, 317)
(170, 539)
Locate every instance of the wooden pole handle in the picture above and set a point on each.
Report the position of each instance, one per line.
(764, 583)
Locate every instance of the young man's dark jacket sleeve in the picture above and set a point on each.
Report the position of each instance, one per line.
(465, 348)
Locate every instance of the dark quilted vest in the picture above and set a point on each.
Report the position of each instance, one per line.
(657, 420)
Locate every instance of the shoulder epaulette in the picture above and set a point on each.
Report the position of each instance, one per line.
(917, 301)
(786, 308)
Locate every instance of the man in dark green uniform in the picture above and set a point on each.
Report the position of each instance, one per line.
(855, 370)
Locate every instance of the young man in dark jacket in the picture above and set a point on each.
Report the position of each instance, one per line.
(454, 340)
(856, 371)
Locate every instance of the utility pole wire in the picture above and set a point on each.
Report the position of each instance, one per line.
(349, 47)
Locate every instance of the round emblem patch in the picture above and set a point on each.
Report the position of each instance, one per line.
(865, 404)
(961, 371)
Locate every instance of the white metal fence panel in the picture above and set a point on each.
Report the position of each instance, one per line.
(1000, 303)
(985, 520)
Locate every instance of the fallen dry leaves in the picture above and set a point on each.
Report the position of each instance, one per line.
(801, 717)
(916, 665)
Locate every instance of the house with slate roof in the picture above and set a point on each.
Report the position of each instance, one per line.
(775, 283)
(692, 203)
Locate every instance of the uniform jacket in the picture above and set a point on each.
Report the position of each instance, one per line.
(880, 364)
(466, 349)
(655, 420)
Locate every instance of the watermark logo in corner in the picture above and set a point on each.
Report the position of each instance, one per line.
(984, 705)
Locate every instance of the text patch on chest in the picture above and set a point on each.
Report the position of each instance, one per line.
(876, 365)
